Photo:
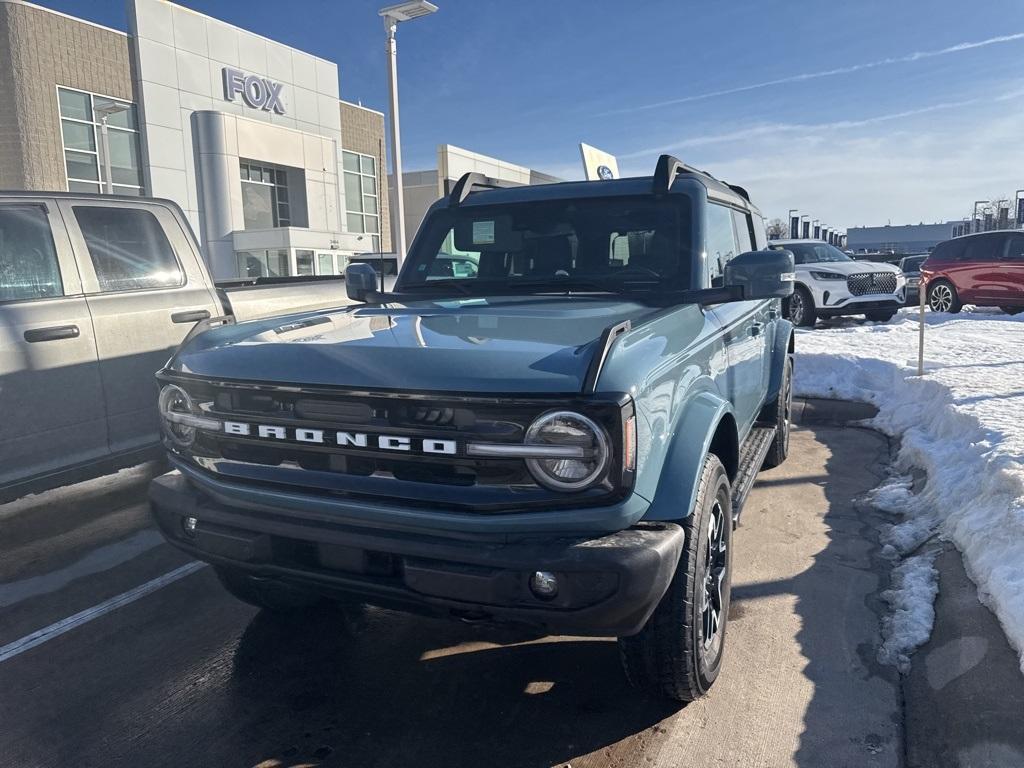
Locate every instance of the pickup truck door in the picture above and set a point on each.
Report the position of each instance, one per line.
(146, 288)
(51, 401)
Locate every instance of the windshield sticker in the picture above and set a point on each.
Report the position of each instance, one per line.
(483, 233)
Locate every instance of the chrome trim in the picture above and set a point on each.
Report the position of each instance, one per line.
(526, 451)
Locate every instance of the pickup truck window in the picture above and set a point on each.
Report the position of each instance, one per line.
(603, 244)
(128, 248)
(28, 259)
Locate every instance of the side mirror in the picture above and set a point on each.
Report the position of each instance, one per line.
(762, 274)
(360, 281)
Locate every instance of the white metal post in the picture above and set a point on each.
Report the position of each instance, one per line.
(920, 330)
(398, 201)
(105, 142)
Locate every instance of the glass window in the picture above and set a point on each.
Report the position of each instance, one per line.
(74, 104)
(83, 149)
(28, 259)
(1015, 248)
(361, 195)
(613, 244)
(303, 262)
(325, 263)
(719, 240)
(264, 196)
(812, 253)
(128, 248)
(743, 233)
(983, 248)
(254, 264)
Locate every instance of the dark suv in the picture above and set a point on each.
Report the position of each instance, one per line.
(986, 269)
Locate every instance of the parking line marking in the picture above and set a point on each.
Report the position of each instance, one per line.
(82, 617)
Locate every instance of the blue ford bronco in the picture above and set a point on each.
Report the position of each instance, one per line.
(553, 419)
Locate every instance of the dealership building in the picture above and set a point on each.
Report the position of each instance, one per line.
(277, 175)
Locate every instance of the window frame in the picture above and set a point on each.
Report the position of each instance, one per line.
(275, 186)
(99, 183)
(735, 239)
(362, 213)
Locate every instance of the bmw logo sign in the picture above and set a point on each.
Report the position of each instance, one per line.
(604, 173)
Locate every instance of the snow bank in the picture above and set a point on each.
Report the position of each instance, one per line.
(911, 599)
(963, 423)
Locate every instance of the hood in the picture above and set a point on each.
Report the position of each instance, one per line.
(849, 267)
(507, 344)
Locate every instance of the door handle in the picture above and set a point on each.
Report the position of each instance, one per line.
(55, 333)
(193, 316)
(756, 328)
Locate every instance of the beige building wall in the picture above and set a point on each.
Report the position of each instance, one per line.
(39, 50)
(362, 130)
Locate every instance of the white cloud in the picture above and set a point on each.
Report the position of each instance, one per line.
(910, 57)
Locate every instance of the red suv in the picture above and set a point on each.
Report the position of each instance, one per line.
(986, 269)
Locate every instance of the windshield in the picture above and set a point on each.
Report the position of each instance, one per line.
(583, 245)
(813, 253)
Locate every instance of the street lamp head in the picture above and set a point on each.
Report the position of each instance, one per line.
(110, 108)
(408, 11)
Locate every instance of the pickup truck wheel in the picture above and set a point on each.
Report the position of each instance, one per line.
(265, 593)
(800, 308)
(781, 413)
(678, 653)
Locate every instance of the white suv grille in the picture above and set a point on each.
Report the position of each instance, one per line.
(871, 282)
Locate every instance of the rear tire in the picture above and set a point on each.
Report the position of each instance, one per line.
(942, 297)
(268, 594)
(1012, 310)
(781, 412)
(883, 316)
(800, 308)
(669, 656)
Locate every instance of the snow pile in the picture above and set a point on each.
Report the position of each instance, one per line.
(915, 582)
(963, 423)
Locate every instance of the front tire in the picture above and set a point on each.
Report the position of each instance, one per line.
(678, 653)
(800, 308)
(781, 412)
(942, 297)
(1011, 310)
(265, 593)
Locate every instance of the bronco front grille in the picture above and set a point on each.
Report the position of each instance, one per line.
(418, 475)
(871, 282)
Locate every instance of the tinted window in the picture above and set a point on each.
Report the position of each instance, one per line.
(1015, 252)
(719, 240)
(28, 260)
(812, 253)
(745, 241)
(984, 248)
(951, 250)
(605, 242)
(128, 248)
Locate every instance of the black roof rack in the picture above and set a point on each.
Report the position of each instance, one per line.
(473, 182)
(739, 191)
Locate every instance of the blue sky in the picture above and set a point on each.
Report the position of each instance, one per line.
(894, 110)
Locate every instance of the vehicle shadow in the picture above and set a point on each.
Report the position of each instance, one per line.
(383, 688)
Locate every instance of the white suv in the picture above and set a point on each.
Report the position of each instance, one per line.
(829, 283)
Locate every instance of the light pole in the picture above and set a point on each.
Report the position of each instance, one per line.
(392, 15)
(1018, 209)
(793, 233)
(976, 222)
(105, 111)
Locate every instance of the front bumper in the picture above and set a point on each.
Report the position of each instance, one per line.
(858, 305)
(608, 584)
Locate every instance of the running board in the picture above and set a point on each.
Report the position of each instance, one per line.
(752, 454)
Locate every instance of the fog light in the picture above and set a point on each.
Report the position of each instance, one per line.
(189, 524)
(544, 585)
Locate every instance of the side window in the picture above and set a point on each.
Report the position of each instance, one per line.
(128, 248)
(984, 248)
(949, 251)
(760, 236)
(28, 259)
(744, 232)
(1015, 250)
(719, 241)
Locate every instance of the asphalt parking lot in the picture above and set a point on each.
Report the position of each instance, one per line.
(185, 675)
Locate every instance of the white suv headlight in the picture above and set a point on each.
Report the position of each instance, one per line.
(573, 432)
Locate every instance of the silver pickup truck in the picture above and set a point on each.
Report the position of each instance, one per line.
(96, 291)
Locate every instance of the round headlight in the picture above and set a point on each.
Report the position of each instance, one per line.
(175, 401)
(582, 437)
